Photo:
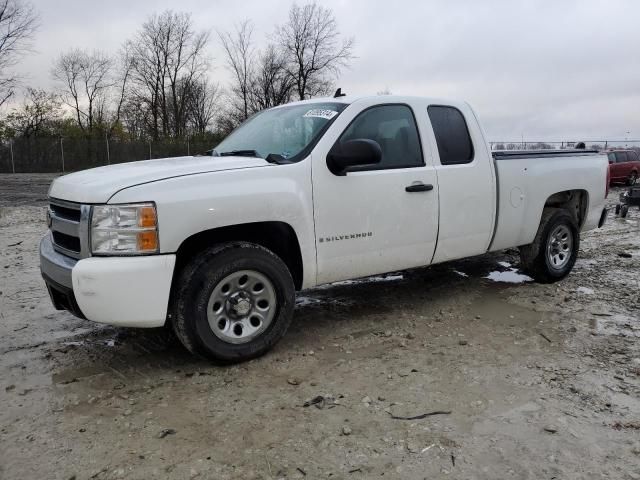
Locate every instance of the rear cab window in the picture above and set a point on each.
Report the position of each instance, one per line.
(452, 135)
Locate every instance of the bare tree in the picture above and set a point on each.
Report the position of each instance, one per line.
(167, 56)
(18, 23)
(186, 63)
(271, 84)
(202, 105)
(240, 55)
(84, 79)
(125, 66)
(315, 50)
(148, 73)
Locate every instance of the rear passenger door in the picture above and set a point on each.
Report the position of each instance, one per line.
(466, 180)
(377, 218)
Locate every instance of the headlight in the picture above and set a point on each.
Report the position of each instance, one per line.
(124, 229)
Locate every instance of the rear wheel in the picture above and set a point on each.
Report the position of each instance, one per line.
(233, 302)
(554, 250)
(633, 178)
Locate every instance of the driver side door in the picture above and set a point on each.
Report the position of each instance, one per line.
(375, 218)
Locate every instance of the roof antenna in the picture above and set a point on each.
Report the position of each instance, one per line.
(339, 93)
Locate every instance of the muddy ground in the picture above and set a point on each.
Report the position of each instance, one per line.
(531, 381)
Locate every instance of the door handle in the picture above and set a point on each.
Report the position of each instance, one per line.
(419, 187)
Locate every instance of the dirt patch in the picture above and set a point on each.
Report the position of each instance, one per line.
(422, 374)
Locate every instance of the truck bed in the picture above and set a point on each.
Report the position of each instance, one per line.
(530, 177)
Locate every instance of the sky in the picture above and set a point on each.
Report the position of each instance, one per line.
(542, 70)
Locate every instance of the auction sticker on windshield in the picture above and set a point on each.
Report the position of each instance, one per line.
(321, 113)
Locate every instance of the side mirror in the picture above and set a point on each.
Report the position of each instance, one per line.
(610, 162)
(353, 153)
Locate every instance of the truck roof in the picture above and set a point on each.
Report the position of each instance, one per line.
(348, 99)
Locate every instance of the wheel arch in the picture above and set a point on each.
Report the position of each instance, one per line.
(279, 237)
(574, 201)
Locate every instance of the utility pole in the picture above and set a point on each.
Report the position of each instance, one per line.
(62, 154)
(106, 137)
(13, 165)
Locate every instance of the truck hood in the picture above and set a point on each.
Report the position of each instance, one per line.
(97, 185)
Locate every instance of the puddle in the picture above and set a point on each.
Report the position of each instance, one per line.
(74, 374)
(494, 309)
(615, 324)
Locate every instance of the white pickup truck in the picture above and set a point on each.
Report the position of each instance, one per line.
(300, 195)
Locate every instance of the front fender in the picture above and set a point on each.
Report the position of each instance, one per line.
(195, 203)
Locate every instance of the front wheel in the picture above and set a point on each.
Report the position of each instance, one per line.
(233, 302)
(633, 178)
(554, 250)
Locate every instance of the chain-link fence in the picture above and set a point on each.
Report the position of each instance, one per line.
(48, 155)
(51, 155)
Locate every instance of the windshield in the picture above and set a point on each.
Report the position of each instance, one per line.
(286, 132)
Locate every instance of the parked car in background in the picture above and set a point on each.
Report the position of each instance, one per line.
(624, 166)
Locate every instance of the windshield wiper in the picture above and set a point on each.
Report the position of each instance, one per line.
(271, 158)
(239, 153)
(277, 159)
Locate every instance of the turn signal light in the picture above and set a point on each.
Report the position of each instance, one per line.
(147, 217)
(147, 241)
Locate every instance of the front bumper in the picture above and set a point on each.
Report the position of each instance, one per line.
(123, 291)
(56, 271)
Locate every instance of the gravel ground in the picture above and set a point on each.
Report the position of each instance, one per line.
(433, 373)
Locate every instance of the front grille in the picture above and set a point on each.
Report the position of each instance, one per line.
(67, 242)
(66, 212)
(66, 222)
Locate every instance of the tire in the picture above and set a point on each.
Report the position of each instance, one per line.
(624, 210)
(232, 325)
(633, 178)
(538, 259)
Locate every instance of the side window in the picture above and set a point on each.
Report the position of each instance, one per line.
(612, 157)
(394, 128)
(621, 157)
(452, 135)
(632, 156)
